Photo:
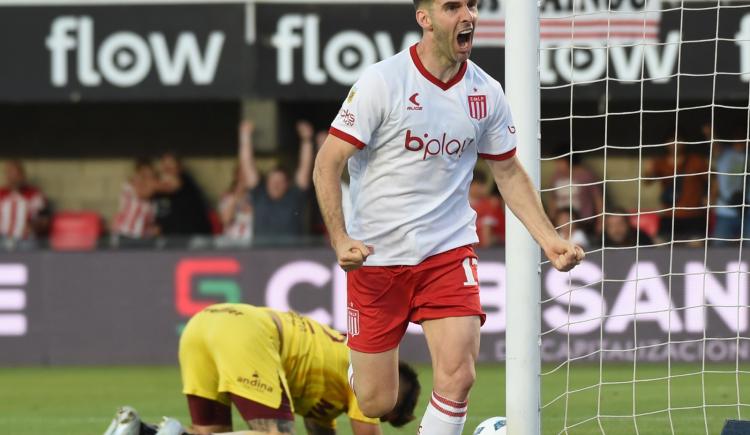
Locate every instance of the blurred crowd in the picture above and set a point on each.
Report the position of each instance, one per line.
(702, 195)
(161, 204)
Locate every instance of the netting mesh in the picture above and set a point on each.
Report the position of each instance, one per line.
(644, 161)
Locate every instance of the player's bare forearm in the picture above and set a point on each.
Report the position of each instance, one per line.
(522, 198)
(314, 429)
(329, 165)
(350, 254)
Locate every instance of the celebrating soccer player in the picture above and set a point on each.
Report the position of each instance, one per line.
(411, 130)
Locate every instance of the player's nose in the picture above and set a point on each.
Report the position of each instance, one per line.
(467, 14)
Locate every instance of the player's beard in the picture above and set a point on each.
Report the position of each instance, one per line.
(446, 44)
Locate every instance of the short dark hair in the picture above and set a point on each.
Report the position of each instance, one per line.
(418, 3)
(404, 410)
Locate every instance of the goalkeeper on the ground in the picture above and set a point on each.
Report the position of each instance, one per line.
(270, 365)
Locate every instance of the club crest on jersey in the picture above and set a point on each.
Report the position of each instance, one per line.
(478, 106)
(352, 322)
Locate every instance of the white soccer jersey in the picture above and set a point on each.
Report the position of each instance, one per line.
(419, 140)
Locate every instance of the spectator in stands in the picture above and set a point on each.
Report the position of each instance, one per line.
(682, 171)
(24, 213)
(567, 226)
(135, 220)
(575, 188)
(180, 204)
(279, 205)
(728, 187)
(235, 208)
(618, 233)
(490, 212)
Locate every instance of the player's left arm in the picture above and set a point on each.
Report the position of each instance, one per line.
(303, 176)
(313, 428)
(522, 198)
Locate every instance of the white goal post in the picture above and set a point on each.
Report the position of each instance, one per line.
(523, 360)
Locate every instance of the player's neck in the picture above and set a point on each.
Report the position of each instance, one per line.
(437, 64)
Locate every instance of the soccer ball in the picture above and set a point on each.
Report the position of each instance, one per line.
(494, 425)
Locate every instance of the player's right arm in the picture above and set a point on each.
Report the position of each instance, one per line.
(521, 197)
(329, 165)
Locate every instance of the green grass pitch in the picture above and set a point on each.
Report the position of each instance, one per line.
(82, 400)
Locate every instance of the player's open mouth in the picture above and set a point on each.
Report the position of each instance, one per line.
(464, 38)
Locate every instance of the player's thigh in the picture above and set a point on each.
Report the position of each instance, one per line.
(448, 308)
(453, 343)
(209, 416)
(375, 374)
(378, 309)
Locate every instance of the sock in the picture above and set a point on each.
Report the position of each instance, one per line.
(443, 416)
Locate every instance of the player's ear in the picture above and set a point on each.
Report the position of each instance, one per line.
(423, 18)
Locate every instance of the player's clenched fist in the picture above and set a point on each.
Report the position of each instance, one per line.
(564, 255)
(350, 253)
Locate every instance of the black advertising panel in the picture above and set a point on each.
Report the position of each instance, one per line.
(129, 307)
(318, 51)
(315, 51)
(123, 52)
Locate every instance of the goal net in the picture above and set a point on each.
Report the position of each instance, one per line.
(644, 123)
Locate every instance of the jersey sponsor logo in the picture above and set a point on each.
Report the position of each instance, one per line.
(415, 104)
(352, 324)
(478, 106)
(512, 129)
(347, 117)
(444, 146)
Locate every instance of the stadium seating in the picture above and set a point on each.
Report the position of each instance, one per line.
(75, 230)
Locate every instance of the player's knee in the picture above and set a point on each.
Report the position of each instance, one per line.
(456, 381)
(377, 404)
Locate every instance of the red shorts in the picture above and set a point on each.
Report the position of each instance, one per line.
(382, 300)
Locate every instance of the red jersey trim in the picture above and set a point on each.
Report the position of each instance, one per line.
(346, 137)
(499, 157)
(436, 81)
